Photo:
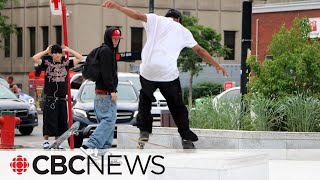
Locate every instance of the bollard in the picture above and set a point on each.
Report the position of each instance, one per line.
(8, 123)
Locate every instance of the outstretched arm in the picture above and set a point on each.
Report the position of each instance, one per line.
(209, 59)
(127, 11)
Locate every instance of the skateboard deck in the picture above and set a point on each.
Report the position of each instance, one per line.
(141, 144)
(72, 130)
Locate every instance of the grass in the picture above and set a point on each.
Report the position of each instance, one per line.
(295, 114)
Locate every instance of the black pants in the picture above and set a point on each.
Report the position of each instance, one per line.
(55, 117)
(173, 94)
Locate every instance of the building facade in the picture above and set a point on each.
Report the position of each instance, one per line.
(87, 21)
(267, 20)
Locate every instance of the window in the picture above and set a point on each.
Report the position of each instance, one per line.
(19, 42)
(7, 45)
(229, 42)
(186, 13)
(136, 39)
(58, 35)
(32, 31)
(45, 37)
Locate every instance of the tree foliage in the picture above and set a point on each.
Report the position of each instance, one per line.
(5, 27)
(207, 38)
(295, 67)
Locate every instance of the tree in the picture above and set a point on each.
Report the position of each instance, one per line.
(5, 28)
(295, 66)
(206, 37)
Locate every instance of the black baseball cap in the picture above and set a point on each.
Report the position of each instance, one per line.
(174, 14)
(56, 49)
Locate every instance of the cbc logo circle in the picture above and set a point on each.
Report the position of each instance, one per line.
(19, 165)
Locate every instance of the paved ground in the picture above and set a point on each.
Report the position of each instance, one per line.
(278, 169)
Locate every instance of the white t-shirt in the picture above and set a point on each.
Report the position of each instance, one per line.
(165, 40)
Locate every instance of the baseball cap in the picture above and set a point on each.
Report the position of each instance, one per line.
(174, 14)
(56, 49)
(116, 34)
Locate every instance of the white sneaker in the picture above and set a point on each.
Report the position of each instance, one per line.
(90, 152)
(46, 145)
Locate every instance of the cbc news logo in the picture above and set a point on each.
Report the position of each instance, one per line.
(19, 164)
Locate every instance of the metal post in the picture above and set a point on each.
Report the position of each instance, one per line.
(245, 47)
(65, 39)
(151, 6)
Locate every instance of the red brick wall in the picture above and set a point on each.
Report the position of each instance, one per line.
(269, 23)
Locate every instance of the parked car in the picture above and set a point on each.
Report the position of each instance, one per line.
(26, 97)
(25, 111)
(160, 104)
(83, 109)
(227, 94)
(4, 82)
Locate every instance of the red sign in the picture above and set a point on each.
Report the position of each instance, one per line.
(228, 85)
(56, 7)
(56, 4)
(314, 25)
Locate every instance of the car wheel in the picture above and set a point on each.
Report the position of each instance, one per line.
(26, 130)
(78, 140)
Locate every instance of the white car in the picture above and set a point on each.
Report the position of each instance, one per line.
(4, 82)
(227, 94)
(160, 104)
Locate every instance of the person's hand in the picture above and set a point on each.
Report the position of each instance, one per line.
(65, 48)
(48, 50)
(221, 68)
(110, 4)
(114, 96)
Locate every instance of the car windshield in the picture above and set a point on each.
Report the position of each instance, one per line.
(233, 94)
(135, 81)
(6, 93)
(126, 93)
(4, 82)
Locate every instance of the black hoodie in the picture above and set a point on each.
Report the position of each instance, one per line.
(109, 70)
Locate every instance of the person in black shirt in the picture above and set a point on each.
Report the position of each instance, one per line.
(56, 68)
(105, 105)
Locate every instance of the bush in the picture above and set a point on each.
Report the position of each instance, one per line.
(299, 113)
(203, 89)
(225, 115)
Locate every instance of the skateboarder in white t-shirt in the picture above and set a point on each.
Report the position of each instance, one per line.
(166, 37)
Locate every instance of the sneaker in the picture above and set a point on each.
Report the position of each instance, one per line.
(89, 152)
(144, 136)
(46, 145)
(189, 135)
(59, 148)
(187, 144)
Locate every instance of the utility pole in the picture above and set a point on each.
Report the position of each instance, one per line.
(245, 43)
(245, 48)
(151, 6)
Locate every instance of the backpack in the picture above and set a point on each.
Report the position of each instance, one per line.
(91, 67)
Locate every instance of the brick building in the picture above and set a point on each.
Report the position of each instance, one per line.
(268, 18)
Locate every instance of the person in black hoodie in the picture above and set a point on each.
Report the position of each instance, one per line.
(106, 94)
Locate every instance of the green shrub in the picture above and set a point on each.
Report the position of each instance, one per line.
(302, 114)
(202, 89)
(225, 115)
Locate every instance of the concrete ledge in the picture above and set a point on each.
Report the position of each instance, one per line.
(216, 165)
(283, 145)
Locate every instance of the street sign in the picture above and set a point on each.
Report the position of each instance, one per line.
(128, 56)
(56, 7)
(315, 27)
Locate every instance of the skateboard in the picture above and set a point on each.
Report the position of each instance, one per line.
(141, 144)
(71, 131)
